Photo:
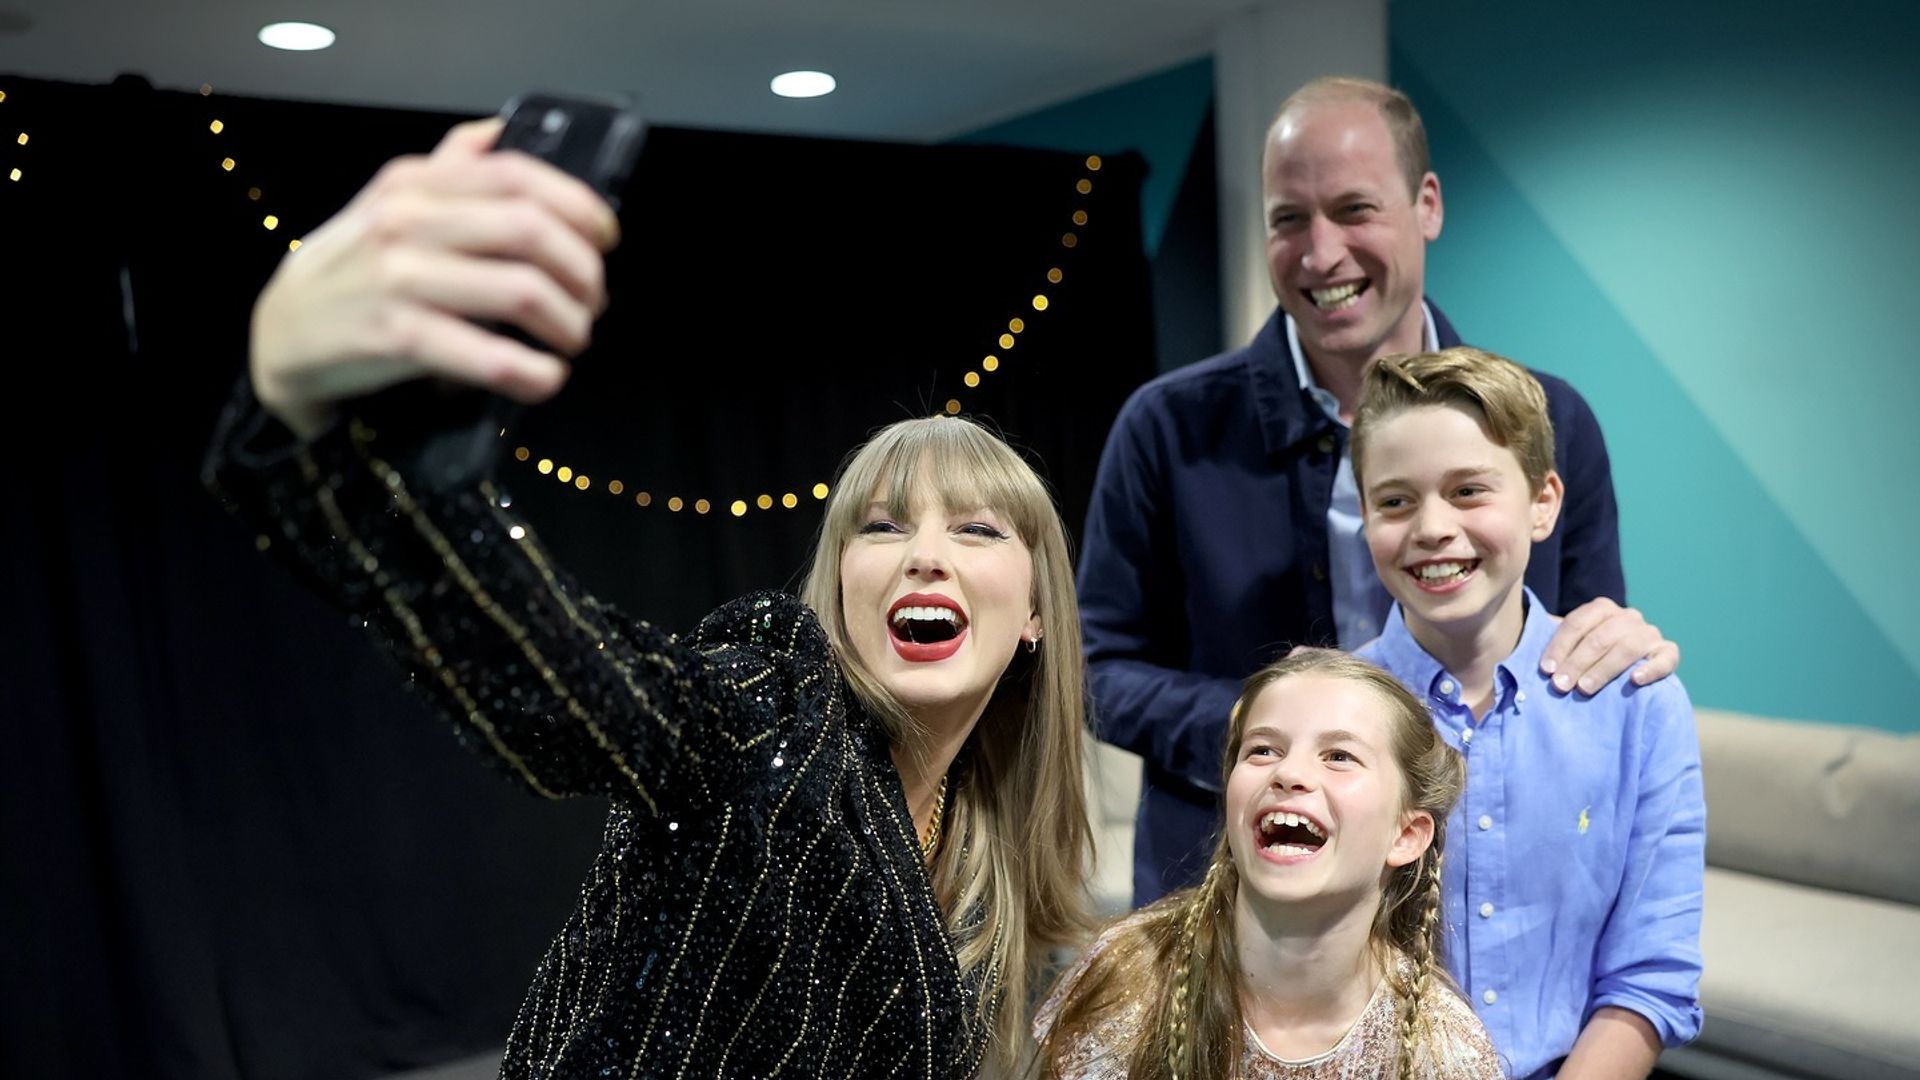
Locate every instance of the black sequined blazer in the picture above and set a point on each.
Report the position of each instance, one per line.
(759, 906)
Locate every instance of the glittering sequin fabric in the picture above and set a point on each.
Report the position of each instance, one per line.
(759, 906)
(1457, 1048)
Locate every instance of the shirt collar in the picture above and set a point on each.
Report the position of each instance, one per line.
(1304, 372)
(1400, 653)
(1522, 665)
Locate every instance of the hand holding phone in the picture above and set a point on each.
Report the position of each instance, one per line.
(596, 140)
(446, 436)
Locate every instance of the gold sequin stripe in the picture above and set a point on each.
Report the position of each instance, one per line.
(726, 956)
(989, 990)
(613, 942)
(793, 636)
(583, 960)
(900, 893)
(552, 989)
(786, 938)
(749, 683)
(560, 986)
(526, 1027)
(555, 1000)
(536, 557)
(423, 646)
(840, 999)
(813, 965)
(860, 1048)
(786, 921)
(485, 602)
(850, 758)
(686, 937)
(908, 833)
(544, 1005)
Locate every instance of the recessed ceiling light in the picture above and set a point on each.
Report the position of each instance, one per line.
(803, 84)
(296, 36)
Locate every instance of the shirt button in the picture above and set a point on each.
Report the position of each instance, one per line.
(1486, 822)
(1446, 686)
(1489, 997)
(1467, 735)
(1520, 696)
(1486, 910)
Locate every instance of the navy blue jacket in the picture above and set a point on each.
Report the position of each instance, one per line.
(1205, 557)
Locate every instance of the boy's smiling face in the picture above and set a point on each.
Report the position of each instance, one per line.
(1450, 521)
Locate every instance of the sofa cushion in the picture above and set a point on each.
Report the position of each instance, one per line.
(1113, 795)
(1808, 980)
(1820, 804)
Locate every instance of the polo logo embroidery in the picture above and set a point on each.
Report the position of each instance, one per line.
(1584, 820)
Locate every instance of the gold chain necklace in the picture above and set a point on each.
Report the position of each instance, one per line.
(932, 840)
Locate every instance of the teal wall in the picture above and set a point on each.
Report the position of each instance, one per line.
(1158, 116)
(1707, 217)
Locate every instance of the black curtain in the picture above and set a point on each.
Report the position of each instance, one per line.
(232, 846)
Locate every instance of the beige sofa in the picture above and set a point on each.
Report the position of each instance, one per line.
(1113, 782)
(1811, 931)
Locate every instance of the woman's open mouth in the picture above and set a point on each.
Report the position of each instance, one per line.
(926, 627)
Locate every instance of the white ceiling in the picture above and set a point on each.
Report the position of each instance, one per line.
(908, 69)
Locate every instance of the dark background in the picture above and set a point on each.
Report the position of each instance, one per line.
(232, 846)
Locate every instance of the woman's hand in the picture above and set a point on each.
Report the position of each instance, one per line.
(393, 286)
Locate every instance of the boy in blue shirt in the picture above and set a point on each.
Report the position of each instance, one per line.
(1573, 869)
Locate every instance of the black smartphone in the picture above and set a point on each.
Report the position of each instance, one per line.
(444, 436)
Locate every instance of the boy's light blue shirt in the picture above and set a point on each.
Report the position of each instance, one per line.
(1574, 859)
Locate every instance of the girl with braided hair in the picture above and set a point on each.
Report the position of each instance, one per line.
(1311, 948)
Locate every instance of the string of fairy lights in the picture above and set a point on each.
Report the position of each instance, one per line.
(269, 221)
(14, 172)
(993, 360)
(972, 379)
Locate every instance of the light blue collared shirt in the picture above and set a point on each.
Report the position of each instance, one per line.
(1574, 859)
(1360, 602)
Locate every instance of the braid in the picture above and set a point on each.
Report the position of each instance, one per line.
(1412, 1022)
(1180, 1013)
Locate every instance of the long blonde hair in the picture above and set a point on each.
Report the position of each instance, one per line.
(1010, 872)
(1192, 1024)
